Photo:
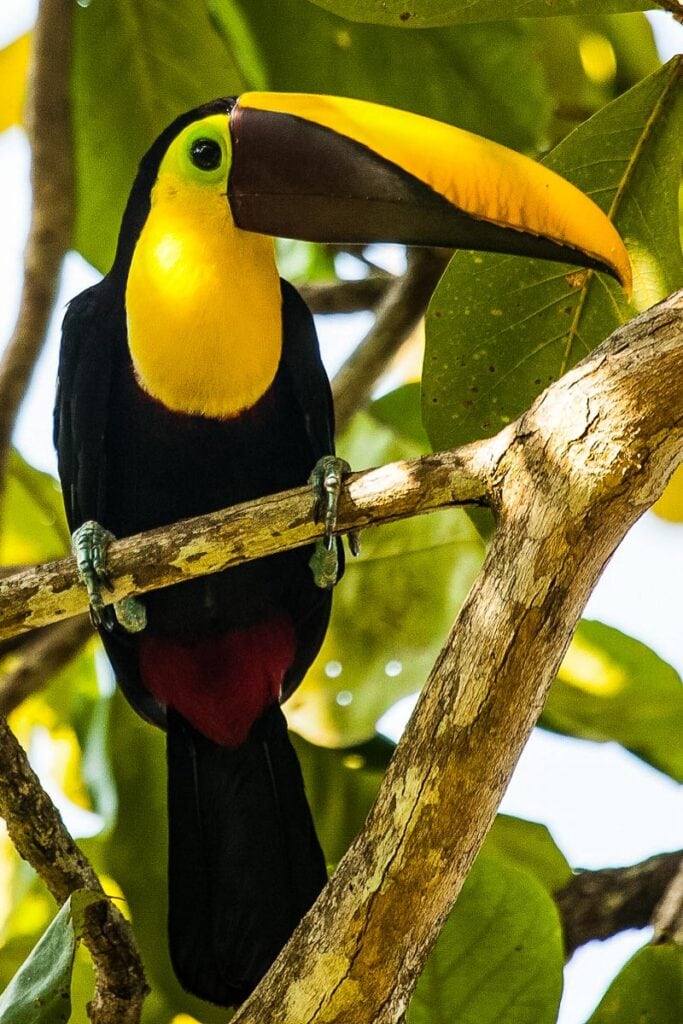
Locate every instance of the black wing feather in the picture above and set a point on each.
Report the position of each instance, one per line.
(89, 341)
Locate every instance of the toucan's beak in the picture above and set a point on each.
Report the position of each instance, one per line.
(327, 169)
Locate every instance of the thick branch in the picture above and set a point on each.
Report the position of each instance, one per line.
(570, 477)
(52, 180)
(402, 306)
(38, 833)
(217, 541)
(598, 904)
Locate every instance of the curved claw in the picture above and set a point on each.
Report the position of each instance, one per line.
(89, 544)
(326, 479)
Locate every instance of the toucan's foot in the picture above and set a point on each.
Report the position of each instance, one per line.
(89, 544)
(326, 478)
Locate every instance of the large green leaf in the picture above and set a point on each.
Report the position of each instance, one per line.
(612, 687)
(481, 78)
(391, 612)
(32, 515)
(40, 991)
(649, 990)
(136, 65)
(591, 59)
(531, 846)
(499, 957)
(429, 13)
(499, 329)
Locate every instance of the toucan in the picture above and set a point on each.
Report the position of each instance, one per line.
(189, 380)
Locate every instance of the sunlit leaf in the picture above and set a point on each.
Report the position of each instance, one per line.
(32, 514)
(400, 410)
(427, 13)
(589, 60)
(649, 990)
(40, 992)
(499, 957)
(500, 329)
(487, 79)
(531, 846)
(13, 73)
(391, 612)
(612, 687)
(136, 67)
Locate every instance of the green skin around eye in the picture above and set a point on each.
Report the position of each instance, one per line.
(178, 160)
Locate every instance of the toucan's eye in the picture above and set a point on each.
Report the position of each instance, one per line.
(206, 154)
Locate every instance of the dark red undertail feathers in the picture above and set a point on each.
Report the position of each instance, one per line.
(221, 684)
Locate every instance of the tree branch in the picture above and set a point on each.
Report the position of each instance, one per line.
(38, 833)
(43, 653)
(210, 543)
(345, 296)
(667, 919)
(52, 179)
(402, 306)
(598, 904)
(570, 477)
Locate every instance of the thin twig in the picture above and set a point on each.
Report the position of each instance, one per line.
(43, 654)
(48, 119)
(674, 7)
(400, 311)
(344, 296)
(598, 904)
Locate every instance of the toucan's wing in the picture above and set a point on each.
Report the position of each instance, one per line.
(83, 395)
(308, 379)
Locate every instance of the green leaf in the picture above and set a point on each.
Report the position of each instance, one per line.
(531, 846)
(391, 612)
(136, 66)
(341, 786)
(32, 514)
(612, 687)
(40, 991)
(500, 329)
(430, 13)
(589, 60)
(649, 990)
(499, 957)
(485, 79)
(400, 410)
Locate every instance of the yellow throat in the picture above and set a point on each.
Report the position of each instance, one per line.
(203, 300)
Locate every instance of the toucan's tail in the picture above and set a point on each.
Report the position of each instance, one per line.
(244, 860)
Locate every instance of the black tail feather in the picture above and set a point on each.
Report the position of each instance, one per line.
(244, 860)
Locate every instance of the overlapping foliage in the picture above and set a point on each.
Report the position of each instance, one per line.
(497, 332)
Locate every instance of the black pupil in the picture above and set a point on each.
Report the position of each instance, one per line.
(206, 154)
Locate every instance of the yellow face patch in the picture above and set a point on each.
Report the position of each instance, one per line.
(203, 299)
